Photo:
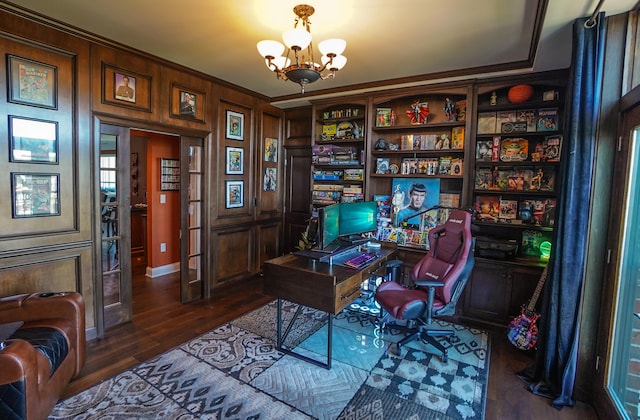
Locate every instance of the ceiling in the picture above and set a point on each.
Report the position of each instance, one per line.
(389, 42)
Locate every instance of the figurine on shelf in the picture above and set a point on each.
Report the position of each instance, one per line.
(381, 144)
(493, 100)
(394, 117)
(419, 112)
(449, 110)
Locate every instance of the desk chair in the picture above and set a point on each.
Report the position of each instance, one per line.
(439, 279)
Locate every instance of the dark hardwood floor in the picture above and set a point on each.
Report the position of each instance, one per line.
(161, 322)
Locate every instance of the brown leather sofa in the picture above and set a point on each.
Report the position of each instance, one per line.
(39, 359)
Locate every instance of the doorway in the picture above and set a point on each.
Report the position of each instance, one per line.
(144, 178)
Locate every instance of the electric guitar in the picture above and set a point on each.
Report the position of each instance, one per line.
(523, 331)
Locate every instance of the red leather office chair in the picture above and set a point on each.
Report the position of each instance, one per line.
(439, 277)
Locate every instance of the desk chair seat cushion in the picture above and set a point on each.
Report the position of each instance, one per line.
(404, 304)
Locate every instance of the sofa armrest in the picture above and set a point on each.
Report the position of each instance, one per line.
(37, 308)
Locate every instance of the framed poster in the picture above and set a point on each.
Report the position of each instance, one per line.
(33, 141)
(234, 194)
(125, 87)
(32, 83)
(169, 174)
(411, 198)
(235, 161)
(187, 103)
(270, 179)
(270, 149)
(34, 195)
(235, 125)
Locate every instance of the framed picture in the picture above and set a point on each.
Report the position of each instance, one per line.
(32, 83)
(235, 125)
(125, 87)
(270, 179)
(235, 194)
(413, 196)
(235, 161)
(187, 103)
(35, 195)
(270, 149)
(169, 174)
(33, 141)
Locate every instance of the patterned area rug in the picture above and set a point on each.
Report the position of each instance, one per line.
(235, 372)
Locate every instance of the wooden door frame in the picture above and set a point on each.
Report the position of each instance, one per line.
(630, 114)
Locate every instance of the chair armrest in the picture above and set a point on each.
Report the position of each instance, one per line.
(18, 360)
(429, 283)
(37, 308)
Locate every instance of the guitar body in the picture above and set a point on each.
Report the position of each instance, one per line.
(523, 331)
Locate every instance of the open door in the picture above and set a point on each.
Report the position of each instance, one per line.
(192, 286)
(114, 283)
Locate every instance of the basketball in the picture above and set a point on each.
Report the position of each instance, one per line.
(520, 93)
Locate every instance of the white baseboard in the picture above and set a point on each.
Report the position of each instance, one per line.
(162, 270)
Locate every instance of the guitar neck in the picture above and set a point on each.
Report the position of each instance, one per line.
(536, 294)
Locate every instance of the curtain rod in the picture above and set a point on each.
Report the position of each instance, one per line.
(592, 20)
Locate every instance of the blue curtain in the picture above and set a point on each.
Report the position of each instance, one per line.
(554, 371)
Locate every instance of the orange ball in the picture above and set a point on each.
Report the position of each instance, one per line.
(520, 93)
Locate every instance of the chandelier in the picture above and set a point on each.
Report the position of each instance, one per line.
(302, 69)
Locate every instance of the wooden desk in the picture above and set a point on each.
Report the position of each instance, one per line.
(326, 287)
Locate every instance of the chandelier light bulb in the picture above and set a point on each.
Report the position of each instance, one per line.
(270, 49)
(297, 39)
(332, 46)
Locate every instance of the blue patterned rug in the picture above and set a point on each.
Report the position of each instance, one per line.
(235, 372)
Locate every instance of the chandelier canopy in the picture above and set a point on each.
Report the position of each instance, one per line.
(302, 69)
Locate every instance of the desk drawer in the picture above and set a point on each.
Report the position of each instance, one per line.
(348, 290)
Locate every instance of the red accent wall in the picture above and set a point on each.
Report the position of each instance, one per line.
(163, 218)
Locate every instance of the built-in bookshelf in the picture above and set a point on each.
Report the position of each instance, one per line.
(419, 138)
(338, 154)
(518, 153)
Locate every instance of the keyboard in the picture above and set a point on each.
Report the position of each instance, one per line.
(360, 260)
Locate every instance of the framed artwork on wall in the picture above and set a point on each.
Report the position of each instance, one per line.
(270, 149)
(235, 125)
(32, 83)
(126, 88)
(270, 179)
(169, 174)
(235, 161)
(187, 103)
(234, 194)
(35, 195)
(32, 140)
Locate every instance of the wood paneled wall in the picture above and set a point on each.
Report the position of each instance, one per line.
(58, 253)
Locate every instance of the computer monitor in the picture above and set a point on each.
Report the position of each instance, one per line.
(357, 218)
(328, 225)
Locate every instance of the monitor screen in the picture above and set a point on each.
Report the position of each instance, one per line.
(356, 218)
(328, 225)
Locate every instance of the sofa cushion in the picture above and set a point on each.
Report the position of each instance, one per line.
(12, 401)
(49, 341)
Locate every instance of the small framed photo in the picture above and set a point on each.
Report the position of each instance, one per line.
(235, 125)
(270, 150)
(187, 103)
(32, 83)
(35, 195)
(32, 140)
(235, 161)
(234, 194)
(125, 87)
(270, 179)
